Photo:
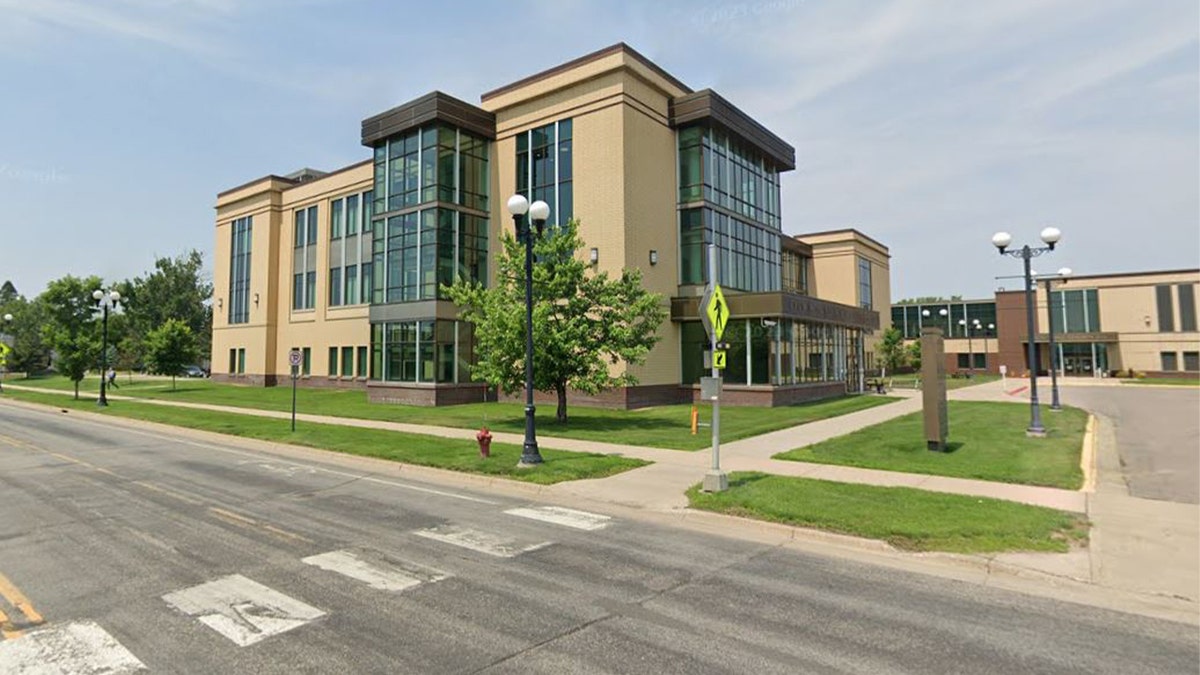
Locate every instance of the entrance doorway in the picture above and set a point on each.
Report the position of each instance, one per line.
(1084, 359)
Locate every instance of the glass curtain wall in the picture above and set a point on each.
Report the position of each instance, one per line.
(430, 228)
(909, 318)
(789, 352)
(437, 351)
(728, 196)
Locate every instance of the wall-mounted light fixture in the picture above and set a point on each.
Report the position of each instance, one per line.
(653, 257)
(220, 303)
(256, 299)
(595, 256)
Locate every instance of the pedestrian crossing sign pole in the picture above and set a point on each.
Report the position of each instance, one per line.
(714, 314)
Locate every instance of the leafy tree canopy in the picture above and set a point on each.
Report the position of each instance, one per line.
(170, 347)
(584, 323)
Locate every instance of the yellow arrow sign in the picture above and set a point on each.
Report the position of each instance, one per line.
(4, 351)
(717, 311)
(719, 359)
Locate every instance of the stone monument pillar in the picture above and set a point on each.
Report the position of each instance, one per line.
(933, 389)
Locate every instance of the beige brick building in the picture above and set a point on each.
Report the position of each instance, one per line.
(346, 266)
(1104, 324)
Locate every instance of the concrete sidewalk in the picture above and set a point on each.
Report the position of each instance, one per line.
(1142, 553)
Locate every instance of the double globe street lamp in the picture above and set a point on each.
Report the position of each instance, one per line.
(1002, 240)
(106, 301)
(967, 328)
(538, 212)
(1055, 362)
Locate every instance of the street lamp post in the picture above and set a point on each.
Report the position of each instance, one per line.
(538, 212)
(4, 366)
(105, 302)
(943, 312)
(987, 333)
(1054, 360)
(970, 347)
(1001, 240)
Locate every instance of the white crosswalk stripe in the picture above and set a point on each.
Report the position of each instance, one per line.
(380, 573)
(580, 520)
(483, 542)
(242, 610)
(78, 648)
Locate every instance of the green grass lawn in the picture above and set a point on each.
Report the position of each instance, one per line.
(444, 453)
(914, 520)
(1178, 381)
(987, 441)
(662, 427)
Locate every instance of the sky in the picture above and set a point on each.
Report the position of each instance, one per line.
(926, 125)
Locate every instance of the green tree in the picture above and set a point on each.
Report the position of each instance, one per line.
(177, 289)
(170, 347)
(891, 349)
(913, 353)
(583, 322)
(66, 309)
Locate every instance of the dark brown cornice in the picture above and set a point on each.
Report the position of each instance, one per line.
(434, 106)
(708, 106)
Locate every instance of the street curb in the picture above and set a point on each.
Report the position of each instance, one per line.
(1087, 458)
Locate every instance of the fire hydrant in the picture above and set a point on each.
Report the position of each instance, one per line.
(484, 437)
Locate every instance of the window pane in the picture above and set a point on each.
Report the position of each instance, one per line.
(1166, 313)
(333, 361)
(1187, 307)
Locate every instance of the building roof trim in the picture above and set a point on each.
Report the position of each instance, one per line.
(434, 106)
(618, 48)
(845, 230)
(707, 104)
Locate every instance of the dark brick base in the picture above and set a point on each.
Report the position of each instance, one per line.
(428, 395)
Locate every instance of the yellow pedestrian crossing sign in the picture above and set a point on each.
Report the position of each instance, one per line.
(718, 360)
(716, 311)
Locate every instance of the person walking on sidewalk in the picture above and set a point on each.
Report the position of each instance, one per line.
(112, 378)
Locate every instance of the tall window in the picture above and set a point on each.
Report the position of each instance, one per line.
(239, 271)
(1166, 313)
(1075, 311)
(795, 272)
(545, 171)
(728, 196)
(351, 216)
(864, 283)
(304, 275)
(431, 230)
(1187, 307)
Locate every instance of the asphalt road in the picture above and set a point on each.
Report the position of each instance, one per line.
(1158, 436)
(131, 548)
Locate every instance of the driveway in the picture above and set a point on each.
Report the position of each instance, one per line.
(1158, 436)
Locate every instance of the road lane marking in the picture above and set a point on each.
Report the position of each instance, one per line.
(80, 647)
(476, 540)
(580, 520)
(244, 521)
(385, 575)
(17, 599)
(242, 610)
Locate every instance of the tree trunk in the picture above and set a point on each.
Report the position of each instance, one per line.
(172, 383)
(76, 390)
(561, 390)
